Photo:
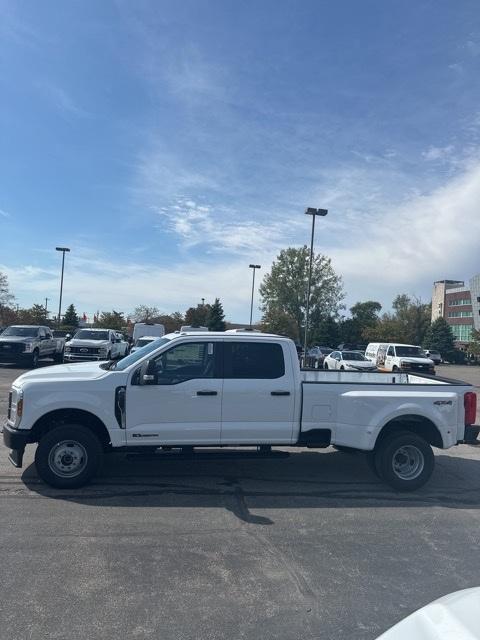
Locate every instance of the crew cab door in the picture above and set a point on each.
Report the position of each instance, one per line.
(182, 403)
(258, 393)
(44, 343)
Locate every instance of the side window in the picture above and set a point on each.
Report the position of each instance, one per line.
(254, 360)
(184, 362)
(41, 333)
(390, 351)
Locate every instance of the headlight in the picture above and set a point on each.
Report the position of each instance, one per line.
(28, 347)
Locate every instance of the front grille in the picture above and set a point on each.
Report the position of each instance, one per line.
(9, 412)
(13, 348)
(85, 351)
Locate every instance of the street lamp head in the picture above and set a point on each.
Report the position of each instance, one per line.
(311, 211)
(62, 249)
(254, 266)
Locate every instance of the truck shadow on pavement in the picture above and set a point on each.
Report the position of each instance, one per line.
(304, 479)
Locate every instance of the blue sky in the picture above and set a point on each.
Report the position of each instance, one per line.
(171, 144)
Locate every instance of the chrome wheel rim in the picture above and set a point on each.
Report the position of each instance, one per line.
(408, 462)
(67, 459)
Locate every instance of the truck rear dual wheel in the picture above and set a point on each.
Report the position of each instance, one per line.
(68, 457)
(403, 460)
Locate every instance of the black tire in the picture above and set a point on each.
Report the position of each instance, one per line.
(342, 368)
(371, 462)
(78, 442)
(395, 368)
(325, 366)
(34, 359)
(58, 357)
(405, 461)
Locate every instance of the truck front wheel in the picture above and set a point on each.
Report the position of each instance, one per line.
(68, 457)
(405, 461)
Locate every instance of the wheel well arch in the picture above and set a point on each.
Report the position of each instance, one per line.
(65, 416)
(418, 424)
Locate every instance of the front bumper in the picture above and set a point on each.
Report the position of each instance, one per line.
(15, 440)
(79, 357)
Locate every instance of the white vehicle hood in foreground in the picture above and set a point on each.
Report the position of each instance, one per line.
(75, 371)
(453, 617)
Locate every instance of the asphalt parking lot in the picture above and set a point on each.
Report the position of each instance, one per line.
(309, 546)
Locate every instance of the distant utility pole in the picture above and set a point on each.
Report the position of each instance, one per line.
(46, 307)
(63, 250)
(253, 266)
(310, 212)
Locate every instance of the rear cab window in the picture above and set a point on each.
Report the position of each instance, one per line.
(257, 360)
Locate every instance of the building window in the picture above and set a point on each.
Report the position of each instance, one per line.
(460, 303)
(462, 332)
(460, 314)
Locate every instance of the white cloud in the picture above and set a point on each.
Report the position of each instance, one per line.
(4, 213)
(439, 153)
(94, 283)
(409, 246)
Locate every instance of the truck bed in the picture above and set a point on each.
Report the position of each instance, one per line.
(359, 377)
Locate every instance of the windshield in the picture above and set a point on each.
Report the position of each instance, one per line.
(414, 352)
(122, 364)
(353, 355)
(24, 332)
(143, 341)
(85, 334)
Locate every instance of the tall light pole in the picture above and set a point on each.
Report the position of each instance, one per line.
(63, 250)
(253, 266)
(310, 212)
(46, 308)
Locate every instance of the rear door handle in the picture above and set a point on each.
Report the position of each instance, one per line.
(206, 393)
(279, 393)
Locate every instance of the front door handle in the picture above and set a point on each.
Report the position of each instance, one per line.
(206, 393)
(280, 393)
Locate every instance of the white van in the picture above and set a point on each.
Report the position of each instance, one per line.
(189, 329)
(146, 329)
(399, 357)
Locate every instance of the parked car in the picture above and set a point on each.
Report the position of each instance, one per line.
(399, 357)
(434, 355)
(27, 344)
(93, 344)
(142, 342)
(214, 389)
(316, 356)
(348, 361)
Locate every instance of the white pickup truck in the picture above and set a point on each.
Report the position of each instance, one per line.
(243, 389)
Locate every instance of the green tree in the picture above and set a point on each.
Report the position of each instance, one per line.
(280, 323)
(172, 322)
(215, 320)
(111, 320)
(35, 315)
(284, 288)
(197, 316)
(439, 336)
(70, 318)
(326, 333)
(365, 315)
(413, 317)
(6, 299)
(142, 313)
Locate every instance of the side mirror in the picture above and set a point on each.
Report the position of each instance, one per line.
(68, 336)
(148, 373)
